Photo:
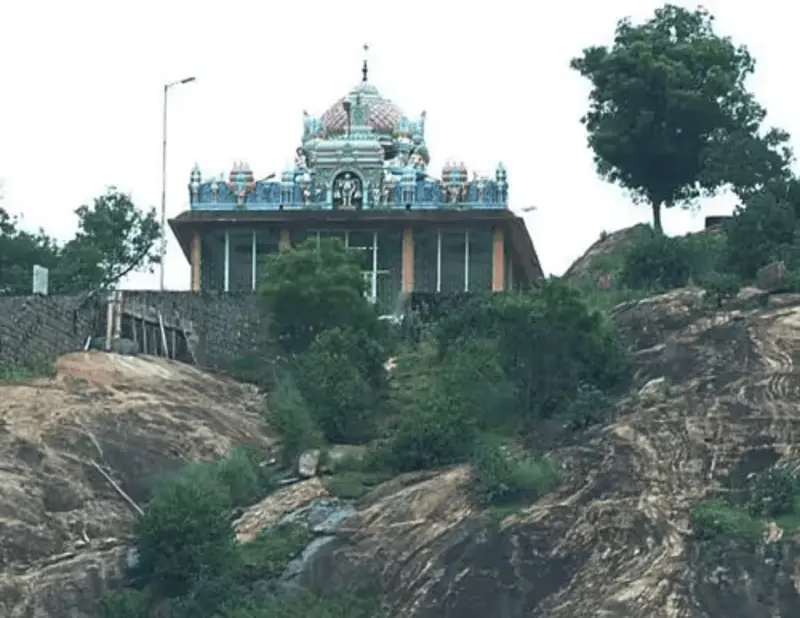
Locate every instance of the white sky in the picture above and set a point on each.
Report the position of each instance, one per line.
(80, 103)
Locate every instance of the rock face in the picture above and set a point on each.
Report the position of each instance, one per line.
(64, 528)
(719, 401)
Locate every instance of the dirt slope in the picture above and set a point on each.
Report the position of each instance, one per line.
(64, 529)
(614, 539)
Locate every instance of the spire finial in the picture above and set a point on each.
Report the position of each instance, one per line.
(364, 68)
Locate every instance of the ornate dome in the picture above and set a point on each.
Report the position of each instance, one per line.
(383, 114)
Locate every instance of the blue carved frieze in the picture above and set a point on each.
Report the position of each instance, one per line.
(383, 155)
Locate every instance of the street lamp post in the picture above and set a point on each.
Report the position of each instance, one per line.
(163, 251)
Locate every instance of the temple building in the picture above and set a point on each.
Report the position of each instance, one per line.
(361, 174)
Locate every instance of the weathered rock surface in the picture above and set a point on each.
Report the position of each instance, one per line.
(64, 529)
(720, 401)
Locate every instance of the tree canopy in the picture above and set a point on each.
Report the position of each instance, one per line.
(113, 239)
(670, 117)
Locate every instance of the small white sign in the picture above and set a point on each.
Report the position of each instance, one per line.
(41, 278)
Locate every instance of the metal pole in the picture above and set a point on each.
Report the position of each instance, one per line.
(163, 251)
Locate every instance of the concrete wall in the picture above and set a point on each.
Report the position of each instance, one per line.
(227, 333)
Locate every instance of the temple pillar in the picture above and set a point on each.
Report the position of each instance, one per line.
(195, 257)
(498, 260)
(286, 240)
(408, 261)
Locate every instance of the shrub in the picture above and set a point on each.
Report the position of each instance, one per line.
(499, 479)
(761, 232)
(657, 262)
(288, 413)
(344, 382)
(185, 533)
(720, 287)
(772, 493)
(268, 555)
(716, 520)
(125, 603)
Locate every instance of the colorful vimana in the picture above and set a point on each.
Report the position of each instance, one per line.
(361, 173)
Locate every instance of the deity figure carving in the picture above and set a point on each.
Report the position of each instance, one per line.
(480, 187)
(376, 195)
(300, 159)
(311, 126)
(454, 193)
(347, 192)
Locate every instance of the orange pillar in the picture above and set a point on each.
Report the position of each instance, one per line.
(286, 239)
(498, 260)
(195, 258)
(408, 261)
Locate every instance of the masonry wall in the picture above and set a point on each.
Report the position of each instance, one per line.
(33, 328)
(227, 332)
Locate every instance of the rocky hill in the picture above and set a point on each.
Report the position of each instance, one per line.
(719, 402)
(716, 400)
(79, 451)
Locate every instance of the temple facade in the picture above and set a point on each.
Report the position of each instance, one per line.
(361, 174)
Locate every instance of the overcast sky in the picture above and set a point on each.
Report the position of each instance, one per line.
(80, 103)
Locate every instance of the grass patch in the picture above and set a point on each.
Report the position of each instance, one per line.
(30, 369)
(266, 556)
(352, 485)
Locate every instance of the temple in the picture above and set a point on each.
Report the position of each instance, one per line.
(361, 174)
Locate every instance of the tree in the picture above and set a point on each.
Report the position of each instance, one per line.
(114, 238)
(313, 288)
(670, 118)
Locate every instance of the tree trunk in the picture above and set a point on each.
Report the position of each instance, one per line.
(656, 206)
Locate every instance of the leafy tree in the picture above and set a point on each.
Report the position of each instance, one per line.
(114, 238)
(312, 288)
(670, 118)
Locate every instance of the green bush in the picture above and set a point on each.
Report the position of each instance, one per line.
(306, 605)
(717, 520)
(268, 555)
(240, 474)
(343, 380)
(288, 413)
(772, 493)
(762, 231)
(125, 603)
(657, 262)
(499, 479)
(721, 287)
(185, 533)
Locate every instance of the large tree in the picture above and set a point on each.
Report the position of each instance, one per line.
(670, 118)
(113, 239)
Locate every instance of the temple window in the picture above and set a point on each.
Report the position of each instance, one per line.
(212, 268)
(480, 260)
(241, 260)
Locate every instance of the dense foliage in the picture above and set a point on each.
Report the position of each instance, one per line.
(113, 239)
